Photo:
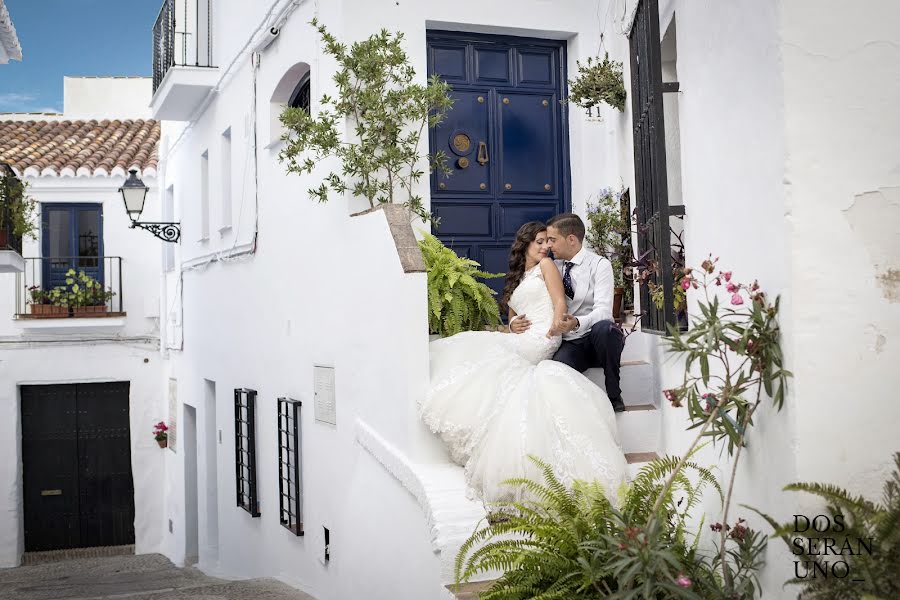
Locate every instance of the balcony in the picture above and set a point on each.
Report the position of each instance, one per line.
(82, 291)
(183, 71)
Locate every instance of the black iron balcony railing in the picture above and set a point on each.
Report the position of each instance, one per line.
(182, 36)
(8, 239)
(60, 287)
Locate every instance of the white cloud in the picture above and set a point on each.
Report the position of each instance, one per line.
(10, 99)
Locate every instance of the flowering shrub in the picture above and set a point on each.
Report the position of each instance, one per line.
(160, 431)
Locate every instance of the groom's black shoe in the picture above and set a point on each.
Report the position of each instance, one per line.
(617, 404)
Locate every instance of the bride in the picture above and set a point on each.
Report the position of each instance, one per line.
(496, 397)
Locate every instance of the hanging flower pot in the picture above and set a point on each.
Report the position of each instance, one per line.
(161, 434)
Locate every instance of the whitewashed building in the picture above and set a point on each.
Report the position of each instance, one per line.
(80, 389)
(779, 153)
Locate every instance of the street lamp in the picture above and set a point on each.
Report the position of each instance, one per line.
(134, 192)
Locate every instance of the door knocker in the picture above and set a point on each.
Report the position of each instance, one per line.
(482, 154)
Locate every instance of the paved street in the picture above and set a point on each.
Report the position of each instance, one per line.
(145, 577)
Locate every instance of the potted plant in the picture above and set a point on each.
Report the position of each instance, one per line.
(86, 295)
(45, 303)
(385, 112)
(609, 235)
(457, 301)
(161, 434)
(17, 211)
(598, 82)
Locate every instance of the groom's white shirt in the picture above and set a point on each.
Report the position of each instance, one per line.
(592, 278)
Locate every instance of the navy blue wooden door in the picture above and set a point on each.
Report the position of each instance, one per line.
(71, 238)
(505, 138)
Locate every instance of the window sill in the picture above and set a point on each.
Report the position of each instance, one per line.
(112, 321)
(224, 230)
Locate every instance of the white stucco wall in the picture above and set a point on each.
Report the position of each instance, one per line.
(321, 288)
(762, 127)
(107, 97)
(841, 82)
(35, 363)
(72, 352)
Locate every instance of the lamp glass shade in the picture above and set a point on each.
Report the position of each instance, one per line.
(134, 192)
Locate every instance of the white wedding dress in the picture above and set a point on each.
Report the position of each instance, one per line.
(496, 397)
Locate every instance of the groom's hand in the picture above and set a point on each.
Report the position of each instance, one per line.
(519, 324)
(568, 323)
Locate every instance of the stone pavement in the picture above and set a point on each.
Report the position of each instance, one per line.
(144, 577)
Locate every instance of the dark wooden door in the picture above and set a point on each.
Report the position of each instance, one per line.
(505, 138)
(76, 452)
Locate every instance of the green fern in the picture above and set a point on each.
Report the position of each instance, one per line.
(572, 543)
(457, 301)
(876, 523)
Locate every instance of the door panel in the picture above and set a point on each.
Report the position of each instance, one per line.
(528, 152)
(516, 159)
(76, 453)
(464, 137)
(50, 477)
(104, 465)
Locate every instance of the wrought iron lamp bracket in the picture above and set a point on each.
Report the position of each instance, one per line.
(167, 232)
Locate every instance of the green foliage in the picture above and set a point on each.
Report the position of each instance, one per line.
(16, 209)
(457, 301)
(597, 82)
(80, 290)
(573, 543)
(877, 524)
(377, 95)
(737, 350)
(609, 231)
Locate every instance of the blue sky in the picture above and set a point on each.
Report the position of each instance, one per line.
(75, 38)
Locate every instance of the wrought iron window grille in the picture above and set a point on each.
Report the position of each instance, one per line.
(245, 450)
(652, 211)
(300, 95)
(289, 472)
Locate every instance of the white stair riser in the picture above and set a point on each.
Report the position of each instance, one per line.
(639, 430)
(636, 381)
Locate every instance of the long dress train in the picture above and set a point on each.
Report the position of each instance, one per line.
(495, 398)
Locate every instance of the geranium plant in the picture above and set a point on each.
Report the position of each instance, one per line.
(161, 433)
(17, 210)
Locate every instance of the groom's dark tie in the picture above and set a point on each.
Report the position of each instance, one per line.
(567, 280)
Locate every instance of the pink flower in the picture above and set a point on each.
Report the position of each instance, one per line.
(726, 275)
(736, 299)
(685, 283)
(732, 288)
(683, 581)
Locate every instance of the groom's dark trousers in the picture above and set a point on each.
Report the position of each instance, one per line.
(602, 347)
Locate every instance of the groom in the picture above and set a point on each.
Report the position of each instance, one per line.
(590, 337)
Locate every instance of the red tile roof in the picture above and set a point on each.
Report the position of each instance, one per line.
(71, 148)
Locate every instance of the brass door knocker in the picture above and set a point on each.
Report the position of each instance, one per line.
(482, 154)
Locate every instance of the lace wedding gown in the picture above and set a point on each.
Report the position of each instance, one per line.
(496, 397)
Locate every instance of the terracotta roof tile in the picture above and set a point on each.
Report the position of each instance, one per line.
(94, 145)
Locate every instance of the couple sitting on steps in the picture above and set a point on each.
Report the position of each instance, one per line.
(496, 398)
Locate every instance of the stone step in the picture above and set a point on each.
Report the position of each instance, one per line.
(639, 428)
(635, 379)
(636, 461)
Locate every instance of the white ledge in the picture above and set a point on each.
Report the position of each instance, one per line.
(70, 324)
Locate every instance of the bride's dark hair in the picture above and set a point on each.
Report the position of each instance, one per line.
(524, 236)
